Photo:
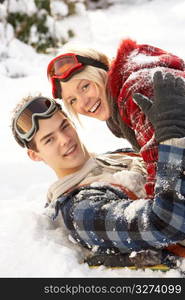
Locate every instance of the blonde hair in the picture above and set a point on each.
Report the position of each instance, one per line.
(97, 75)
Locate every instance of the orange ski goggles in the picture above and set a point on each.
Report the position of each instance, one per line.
(64, 66)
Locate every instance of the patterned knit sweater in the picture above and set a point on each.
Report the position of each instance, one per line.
(100, 215)
(132, 72)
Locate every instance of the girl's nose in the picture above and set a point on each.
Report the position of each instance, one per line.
(84, 102)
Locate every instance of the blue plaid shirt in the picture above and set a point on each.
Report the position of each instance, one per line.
(104, 219)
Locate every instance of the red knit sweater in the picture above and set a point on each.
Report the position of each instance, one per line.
(132, 71)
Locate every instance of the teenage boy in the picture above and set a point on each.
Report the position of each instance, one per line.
(96, 203)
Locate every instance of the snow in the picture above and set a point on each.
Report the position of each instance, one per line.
(30, 245)
(22, 6)
(133, 181)
(143, 59)
(133, 208)
(59, 8)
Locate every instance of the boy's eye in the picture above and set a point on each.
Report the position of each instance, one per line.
(65, 126)
(49, 140)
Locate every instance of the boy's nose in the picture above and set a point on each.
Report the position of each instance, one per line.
(63, 139)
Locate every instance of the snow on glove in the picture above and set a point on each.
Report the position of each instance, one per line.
(167, 111)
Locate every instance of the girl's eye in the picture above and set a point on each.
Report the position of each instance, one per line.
(85, 86)
(72, 101)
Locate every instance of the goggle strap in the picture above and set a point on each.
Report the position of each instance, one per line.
(20, 141)
(57, 88)
(92, 62)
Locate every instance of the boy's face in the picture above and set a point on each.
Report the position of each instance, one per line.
(58, 145)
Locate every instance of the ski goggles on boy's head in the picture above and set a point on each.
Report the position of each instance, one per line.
(26, 122)
(64, 66)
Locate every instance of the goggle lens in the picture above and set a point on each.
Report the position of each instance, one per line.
(63, 65)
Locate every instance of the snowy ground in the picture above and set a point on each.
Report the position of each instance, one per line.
(29, 245)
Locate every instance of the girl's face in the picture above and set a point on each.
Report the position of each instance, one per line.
(86, 98)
